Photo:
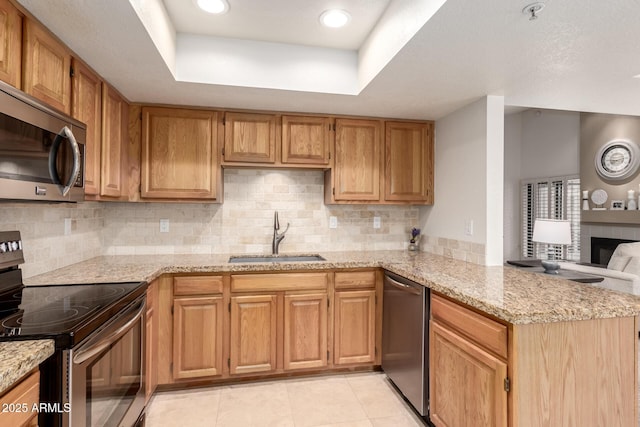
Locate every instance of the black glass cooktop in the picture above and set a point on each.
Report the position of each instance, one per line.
(65, 313)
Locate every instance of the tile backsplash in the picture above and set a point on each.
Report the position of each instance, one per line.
(456, 249)
(55, 235)
(243, 224)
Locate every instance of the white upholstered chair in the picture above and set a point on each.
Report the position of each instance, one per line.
(622, 273)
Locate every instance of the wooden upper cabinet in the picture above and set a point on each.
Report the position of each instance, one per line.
(46, 67)
(356, 174)
(179, 156)
(114, 120)
(306, 140)
(10, 43)
(86, 106)
(408, 162)
(250, 137)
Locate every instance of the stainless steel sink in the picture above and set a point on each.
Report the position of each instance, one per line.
(275, 258)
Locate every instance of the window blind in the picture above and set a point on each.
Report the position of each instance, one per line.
(551, 198)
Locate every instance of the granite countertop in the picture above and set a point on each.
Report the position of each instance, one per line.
(510, 294)
(18, 358)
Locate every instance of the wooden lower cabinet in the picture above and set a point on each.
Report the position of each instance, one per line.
(305, 331)
(24, 396)
(467, 382)
(197, 337)
(253, 344)
(151, 341)
(355, 327)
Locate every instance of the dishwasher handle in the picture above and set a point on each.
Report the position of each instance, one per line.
(414, 289)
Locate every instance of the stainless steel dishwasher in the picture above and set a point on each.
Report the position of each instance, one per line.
(405, 339)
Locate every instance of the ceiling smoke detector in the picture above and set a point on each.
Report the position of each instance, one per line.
(533, 9)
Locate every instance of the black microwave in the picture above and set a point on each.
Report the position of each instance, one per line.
(41, 150)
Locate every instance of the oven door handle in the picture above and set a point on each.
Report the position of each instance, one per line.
(85, 353)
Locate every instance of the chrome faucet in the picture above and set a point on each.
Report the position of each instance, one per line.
(277, 237)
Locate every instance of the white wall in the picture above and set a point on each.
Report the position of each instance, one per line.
(537, 143)
(468, 177)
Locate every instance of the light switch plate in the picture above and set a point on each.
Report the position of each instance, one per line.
(376, 222)
(468, 227)
(67, 226)
(164, 225)
(333, 222)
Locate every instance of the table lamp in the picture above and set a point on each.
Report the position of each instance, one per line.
(551, 232)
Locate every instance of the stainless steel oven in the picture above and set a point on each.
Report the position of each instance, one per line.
(105, 374)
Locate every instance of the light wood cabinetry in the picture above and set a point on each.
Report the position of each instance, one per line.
(468, 367)
(86, 106)
(10, 44)
(408, 169)
(253, 334)
(198, 321)
(279, 322)
(250, 137)
(368, 170)
(151, 340)
(18, 401)
(306, 140)
(358, 154)
(114, 119)
(46, 66)
(305, 330)
(357, 317)
(179, 154)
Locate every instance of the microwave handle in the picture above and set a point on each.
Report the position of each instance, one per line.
(53, 155)
(90, 349)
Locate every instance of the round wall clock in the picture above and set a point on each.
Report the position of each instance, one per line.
(618, 159)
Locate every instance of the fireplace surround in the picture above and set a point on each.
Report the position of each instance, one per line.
(602, 248)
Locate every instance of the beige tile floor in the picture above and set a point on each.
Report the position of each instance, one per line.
(353, 400)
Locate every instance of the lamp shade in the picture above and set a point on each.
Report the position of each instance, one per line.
(552, 231)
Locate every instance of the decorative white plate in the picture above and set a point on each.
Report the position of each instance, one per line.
(599, 197)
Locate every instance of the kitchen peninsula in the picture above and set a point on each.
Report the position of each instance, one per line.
(569, 351)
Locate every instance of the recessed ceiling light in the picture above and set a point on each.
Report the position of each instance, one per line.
(335, 18)
(213, 6)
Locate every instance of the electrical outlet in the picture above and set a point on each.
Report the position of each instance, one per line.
(333, 222)
(468, 227)
(67, 226)
(164, 225)
(376, 222)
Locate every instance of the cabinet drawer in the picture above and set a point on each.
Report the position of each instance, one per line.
(23, 396)
(197, 285)
(278, 282)
(355, 279)
(484, 331)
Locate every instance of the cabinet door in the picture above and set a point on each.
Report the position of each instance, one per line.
(46, 67)
(10, 43)
(126, 358)
(179, 153)
(86, 106)
(466, 382)
(357, 164)
(305, 331)
(355, 327)
(250, 138)
(253, 334)
(197, 337)
(114, 110)
(306, 140)
(408, 162)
